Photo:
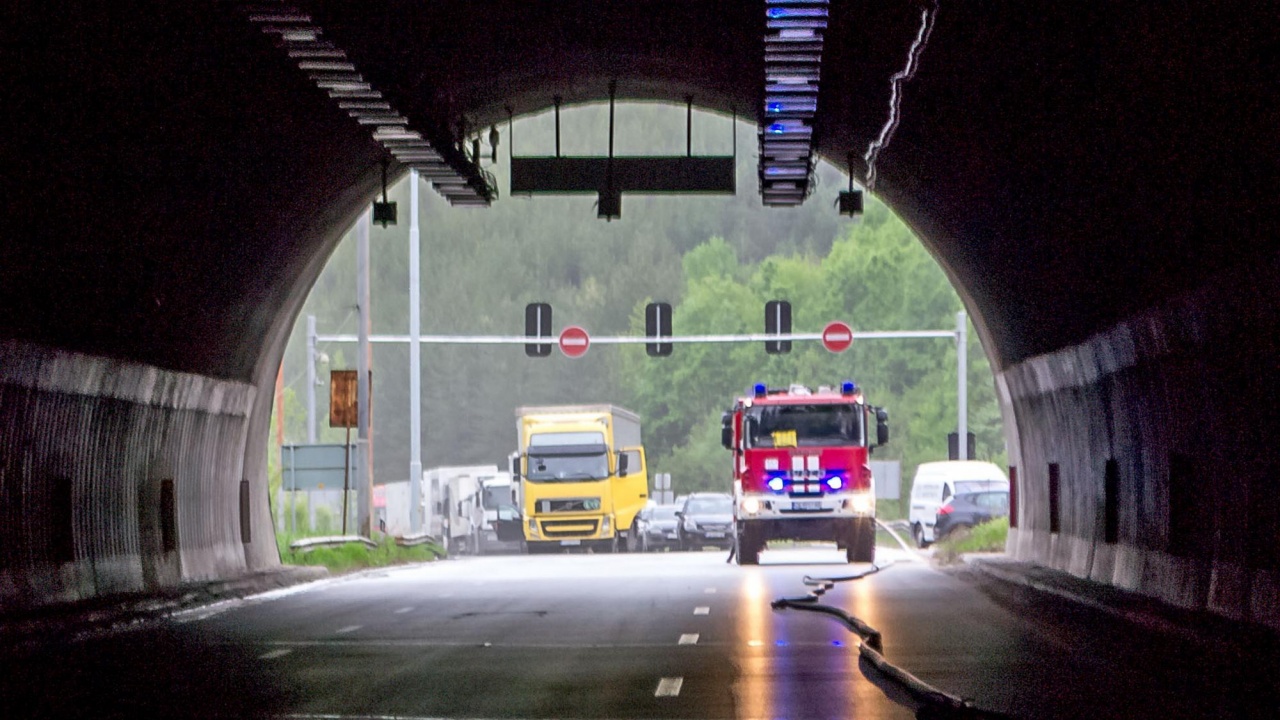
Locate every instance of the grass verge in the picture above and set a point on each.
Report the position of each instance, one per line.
(358, 556)
(987, 537)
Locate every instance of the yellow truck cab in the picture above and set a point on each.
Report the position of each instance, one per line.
(581, 476)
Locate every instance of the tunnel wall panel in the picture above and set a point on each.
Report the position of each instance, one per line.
(116, 477)
(1184, 399)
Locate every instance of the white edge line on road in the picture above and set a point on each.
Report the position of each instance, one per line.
(688, 639)
(668, 687)
(348, 629)
(702, 610)
(404, 610)
(281, 652)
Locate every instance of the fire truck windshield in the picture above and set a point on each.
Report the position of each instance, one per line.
(804, 426)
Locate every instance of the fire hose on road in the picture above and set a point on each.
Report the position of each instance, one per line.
(900, 686)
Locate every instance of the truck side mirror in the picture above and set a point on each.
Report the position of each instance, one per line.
(622, 464)
(513, 465)
(726, 430)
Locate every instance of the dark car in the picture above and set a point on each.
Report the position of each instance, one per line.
(968, 509)
(706, 519)
(656, 528)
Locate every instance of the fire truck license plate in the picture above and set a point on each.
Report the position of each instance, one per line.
(806, 505)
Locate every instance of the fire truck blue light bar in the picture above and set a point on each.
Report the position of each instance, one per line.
(793, 65)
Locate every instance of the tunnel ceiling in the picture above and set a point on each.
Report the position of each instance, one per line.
(173, 183)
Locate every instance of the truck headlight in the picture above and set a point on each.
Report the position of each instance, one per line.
(862, 503)
(606, 524)
(751, 506)
(533, 526)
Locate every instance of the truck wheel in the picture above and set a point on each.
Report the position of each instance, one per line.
(748, 551)
(862, 544)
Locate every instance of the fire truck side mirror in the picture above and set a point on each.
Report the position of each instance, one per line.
(726, 430)
(882, 426)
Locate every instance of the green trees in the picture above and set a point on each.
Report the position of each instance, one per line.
(876, 277)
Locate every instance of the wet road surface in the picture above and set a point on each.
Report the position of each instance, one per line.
(669, 635)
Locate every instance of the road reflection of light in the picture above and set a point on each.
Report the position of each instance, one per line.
(755, 654)
(861, 602)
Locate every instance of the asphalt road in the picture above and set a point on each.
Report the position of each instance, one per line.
(670, 635)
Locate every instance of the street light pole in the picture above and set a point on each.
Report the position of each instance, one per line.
(311, 379)
(415, 362)
(364, 472)
(962, 385)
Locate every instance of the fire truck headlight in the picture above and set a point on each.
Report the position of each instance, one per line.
(862, 503)
(751, 506)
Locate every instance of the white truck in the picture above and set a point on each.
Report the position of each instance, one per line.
(463, 505)
(451, 498)
(501, 529)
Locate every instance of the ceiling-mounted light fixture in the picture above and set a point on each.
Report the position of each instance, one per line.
(793, 68)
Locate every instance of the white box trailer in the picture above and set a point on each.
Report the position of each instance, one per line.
(452, 500)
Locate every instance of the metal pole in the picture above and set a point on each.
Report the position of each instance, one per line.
(415, 361)
(293, 494)
(346, 478)
(962, 385)
(311, 379)
(364, 473)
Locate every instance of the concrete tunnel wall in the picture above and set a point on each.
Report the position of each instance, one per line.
(1161, 432)
(174, 187)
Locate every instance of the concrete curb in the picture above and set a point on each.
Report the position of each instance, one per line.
(119, 612)
(1199, 627)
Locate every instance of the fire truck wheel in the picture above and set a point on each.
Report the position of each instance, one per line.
(748, 548)
(862, 545)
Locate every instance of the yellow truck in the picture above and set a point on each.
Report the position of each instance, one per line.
(581, 477)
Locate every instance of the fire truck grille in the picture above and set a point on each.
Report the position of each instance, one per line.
(569, 528)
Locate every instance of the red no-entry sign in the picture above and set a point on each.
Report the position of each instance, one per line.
(574, 341)
(837, 336)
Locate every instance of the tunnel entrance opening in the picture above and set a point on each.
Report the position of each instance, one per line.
(598, 274)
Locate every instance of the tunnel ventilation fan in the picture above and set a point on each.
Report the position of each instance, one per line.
(792, 66)
(455, 176)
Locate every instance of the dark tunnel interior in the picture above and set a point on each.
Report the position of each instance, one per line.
(1096, 179)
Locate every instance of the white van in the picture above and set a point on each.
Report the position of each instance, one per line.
(936, 482)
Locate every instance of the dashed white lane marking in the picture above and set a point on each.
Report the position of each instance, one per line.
(275, 654)
(702, 610)
(669, 687)
(404, 610)
(689, 639)
(348, 629)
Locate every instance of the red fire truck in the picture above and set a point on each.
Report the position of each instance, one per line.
(800, 469)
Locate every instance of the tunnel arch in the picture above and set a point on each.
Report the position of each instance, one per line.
(1095, 180)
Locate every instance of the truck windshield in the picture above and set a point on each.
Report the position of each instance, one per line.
(804, 426)
(567, 468)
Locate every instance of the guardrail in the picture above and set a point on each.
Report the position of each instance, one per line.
(312, 543)
(413, 539)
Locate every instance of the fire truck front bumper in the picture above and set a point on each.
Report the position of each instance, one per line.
(829, 517)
